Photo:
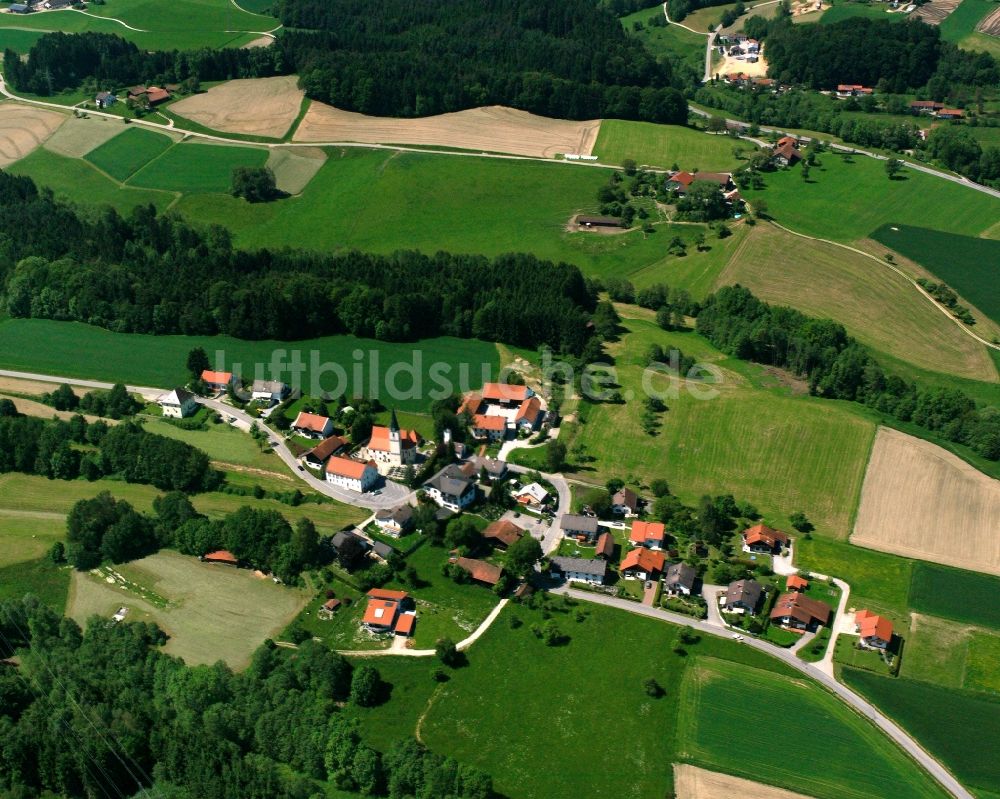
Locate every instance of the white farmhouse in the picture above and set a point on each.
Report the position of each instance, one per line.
(350, 474)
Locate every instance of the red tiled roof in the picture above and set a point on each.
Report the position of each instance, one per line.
(803, 608)
(405, 623)
(794, 582)
(952, 112)
(331, 604)
(605, 545)
(216, 377)
(221, 556)
(504, 531)
(871, 625)
(529, 410)
(471, 403)
(327, 447)
(647, 531)
(480, 570)
(310, 421)
(380, 439)
(762, 533)
(156, 94)
(385, 593)
(345, 467)
(482, 422)
(684, 178)
(381, 612)
(504, 392)
(644, 560)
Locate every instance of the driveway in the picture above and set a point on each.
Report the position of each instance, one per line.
(710, 593)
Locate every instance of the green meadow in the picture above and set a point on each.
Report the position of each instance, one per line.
(955, 594)
(196, 168)
(185, 16)
(666, 41)
(837, 201)
(845, 9)
(20, 41)
(960, 27)
(666, 145)
(127, 153)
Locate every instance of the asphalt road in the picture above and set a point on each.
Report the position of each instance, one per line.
(861, 705)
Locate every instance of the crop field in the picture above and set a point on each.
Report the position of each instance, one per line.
(213, 613)
(964, 596)
(691, 782)
(782, 453)
(31, 407)
(492, 129)
(293, 169)
(936, 12)
(969, 265)
(195, 168)
(962, 27)
(715, 702)
(78, 350)
(833, 203)
(876, 305)
(982, 668)
(78, 181)
(666, 41)
(665, 145)
(23, 128)
(258, 107)
(938, 508)
(127, 153)
(77, 136)
(957, 727)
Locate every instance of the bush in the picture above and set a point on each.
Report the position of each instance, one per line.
(254, 184)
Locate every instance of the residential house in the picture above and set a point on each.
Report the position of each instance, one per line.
(800, 612)
(648, 534)
(786, 152)
(136, 93)
(452, 488)
(852, 90)
(391, 447)
(223, 556)
(480, 571)
(316, 457)
(348, 537)
(489, 428)
(642, 564)
(177, 404)
(19, 8)
(796, 583)
(55, 5)
(925, 107)
(950, 113)
(105, 99)
(156, 95)
(495, 469)
(313, 425)
(531, 496)
(743, 596)
(764, 539)
(679, 579)
(395, 521)
(217, 381)
(383, 609)
(575, 526)
(350, 474)
(605, 547)
(528, 415)
(875, 630)
(505, 394)
(582, 570)
(681, 181)
(271, 391)
(502, 533)
(381, 550)
(405, 624)
(625, 501)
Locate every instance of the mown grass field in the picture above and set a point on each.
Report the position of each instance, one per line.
(185, 16)
(876, 305)
(666, 41)
(665, 145)
(78, 181)
(20, 41)
(969, 265)
(717, 700)
(956, 594)
(835, 203)
(40, 577)
(781, 452)
(844, 9)
(197, 168)
(77, 350)
(127, 153)
(960, 728)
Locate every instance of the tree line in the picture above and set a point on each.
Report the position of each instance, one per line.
(838, 367)
(152, 273)
(103, 712)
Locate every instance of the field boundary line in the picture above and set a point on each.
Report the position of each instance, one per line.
(110, 19)
(899, 272)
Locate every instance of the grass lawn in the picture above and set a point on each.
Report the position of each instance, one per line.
(877, 306)
(78, 350)
(957, 727)
(936, 651)
(213, 612)
(666, 41)
(782, 453)
(982, 669)
(847, 654)
(718, 698)
(837, 203)
(197, 168)
(126, 154)
(955, 594)
(185, 16)
(78, 181)
(28, 535)
(222, 443)
(664, 145)
(967, 264)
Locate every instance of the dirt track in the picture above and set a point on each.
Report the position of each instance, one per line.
(256, 107)
(23, 128)
(691, 782)
(920, 501)
(492, 129)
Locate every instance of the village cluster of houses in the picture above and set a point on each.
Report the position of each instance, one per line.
(141, 96)
(502, 409)
(47, 5)
(739, 45)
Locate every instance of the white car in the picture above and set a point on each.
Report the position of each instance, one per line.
(737, 637)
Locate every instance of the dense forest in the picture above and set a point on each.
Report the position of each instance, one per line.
(102, 712)
(151, 273)
(837, 366)
(568, 60)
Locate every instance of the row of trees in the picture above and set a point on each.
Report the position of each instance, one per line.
(158, 274)
(116, 403)
(837, 366)
(104, 713)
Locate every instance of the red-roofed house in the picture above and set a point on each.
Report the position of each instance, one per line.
(331, 605)
(156, 95)
(490, 428)
(350, 474)
(223, 556)
(800, 612)
(505, 393)
(875, 630)
(480, 570)
(605, 546)
(925, 106)
(317, 456)
(529, 414)
(648, 534)
(852, 90)
(786, 154)
(390, 447)
(405, 623)
(383, 609)
(761, 538)
(950, 113)
(312, 425)
(502, 533)
(796, 583)
(643, 564)
(217, 381)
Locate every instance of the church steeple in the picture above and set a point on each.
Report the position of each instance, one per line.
(395, 446)
(393, 424)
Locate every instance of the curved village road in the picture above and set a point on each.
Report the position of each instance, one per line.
(861, 705)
